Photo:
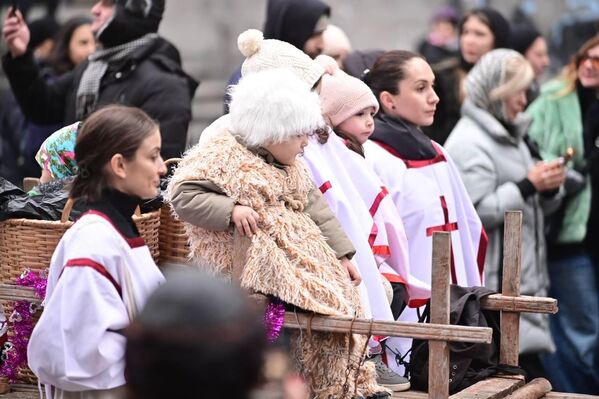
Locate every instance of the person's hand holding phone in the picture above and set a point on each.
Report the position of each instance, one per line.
(15, 32)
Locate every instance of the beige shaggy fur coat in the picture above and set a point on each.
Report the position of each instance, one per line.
(288, 258)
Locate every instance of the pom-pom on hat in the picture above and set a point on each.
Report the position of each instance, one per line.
(264, 54)
(342, 95)
(272, 106)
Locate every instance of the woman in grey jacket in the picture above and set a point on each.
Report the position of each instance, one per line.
(498, 166)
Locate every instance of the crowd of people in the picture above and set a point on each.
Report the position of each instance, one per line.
(337, 166)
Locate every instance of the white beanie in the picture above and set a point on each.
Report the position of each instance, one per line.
(264, 54)
(272, 106)
(342, 95)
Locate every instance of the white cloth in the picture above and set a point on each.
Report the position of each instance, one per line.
(429, 195)
(361, 202)
(76, 345)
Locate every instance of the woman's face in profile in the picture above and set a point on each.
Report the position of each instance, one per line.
(144, 170)
(416, 101)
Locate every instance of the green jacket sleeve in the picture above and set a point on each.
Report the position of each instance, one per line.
(203, 204)
(321, 214)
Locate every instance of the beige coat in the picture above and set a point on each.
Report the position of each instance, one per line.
(288, 257)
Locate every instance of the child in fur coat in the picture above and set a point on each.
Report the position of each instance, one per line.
(250, 179)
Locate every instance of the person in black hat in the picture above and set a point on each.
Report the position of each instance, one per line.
(532, 45)
(297, 22)
(136, 67)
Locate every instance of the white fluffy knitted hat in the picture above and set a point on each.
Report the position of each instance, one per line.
(264, 54)
(342, 95)
(272, 106)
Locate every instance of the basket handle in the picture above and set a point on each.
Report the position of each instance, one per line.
(66, 212)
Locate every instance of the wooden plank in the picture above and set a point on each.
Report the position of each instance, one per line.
(390, 328)
(523, 303)
(512, 260)
(409, 395)
(491, 388)
(10, 292)
(535, 389)
(438, 366)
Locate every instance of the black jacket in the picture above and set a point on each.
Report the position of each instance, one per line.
(151, 79)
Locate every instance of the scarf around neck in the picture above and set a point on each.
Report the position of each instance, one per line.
(88, 91)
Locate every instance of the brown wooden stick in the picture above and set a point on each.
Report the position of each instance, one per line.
(521, 304)
(491, 388)
(535, 389)
(438, 355)
(439, 332)
(512, 261)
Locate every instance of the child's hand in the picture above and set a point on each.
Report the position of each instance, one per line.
(245, 219)
(354, 274)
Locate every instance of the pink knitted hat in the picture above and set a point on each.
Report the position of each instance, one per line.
(342, 95)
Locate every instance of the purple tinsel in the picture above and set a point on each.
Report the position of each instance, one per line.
(274, 317)
(20, 323)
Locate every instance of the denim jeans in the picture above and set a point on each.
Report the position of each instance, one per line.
(574, 367)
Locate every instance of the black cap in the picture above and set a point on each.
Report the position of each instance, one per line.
(522, 38)
(132, 19)
(41, 30)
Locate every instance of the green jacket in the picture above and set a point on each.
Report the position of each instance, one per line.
(557, 125)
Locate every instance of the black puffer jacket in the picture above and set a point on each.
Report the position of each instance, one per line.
(151, 79)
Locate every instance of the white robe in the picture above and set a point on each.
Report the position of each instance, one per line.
(430, 196)
(76, 345)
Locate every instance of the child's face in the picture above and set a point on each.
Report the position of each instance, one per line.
(287, 151)
(359, 126)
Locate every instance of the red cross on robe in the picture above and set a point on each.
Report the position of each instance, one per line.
(447, 226)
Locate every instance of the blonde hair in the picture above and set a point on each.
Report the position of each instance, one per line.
(518, 76)
(569, 74)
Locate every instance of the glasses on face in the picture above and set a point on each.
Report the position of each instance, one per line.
(593, 58)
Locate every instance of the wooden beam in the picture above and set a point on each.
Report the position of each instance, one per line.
(522, 304)
(427, 331)
(491, 388)
(10, 292)
(438, 356)
(535, 389)
(512, 261)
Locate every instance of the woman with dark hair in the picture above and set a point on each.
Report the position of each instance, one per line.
(74, 42)
(418, 173)
(481, 30)
(102, 270)
(566, 116)
(197, 336)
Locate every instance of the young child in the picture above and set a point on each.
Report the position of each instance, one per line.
(249, 178)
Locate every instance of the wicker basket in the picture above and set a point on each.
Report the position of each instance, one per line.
(27, 243)
(174, 241)
(148, 225)
(31, 243)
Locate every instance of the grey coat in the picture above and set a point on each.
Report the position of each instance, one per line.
(491, 162)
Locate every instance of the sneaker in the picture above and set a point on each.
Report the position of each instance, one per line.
(387, 377)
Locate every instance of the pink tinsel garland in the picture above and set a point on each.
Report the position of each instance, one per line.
(20, 323)
(274, 317)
